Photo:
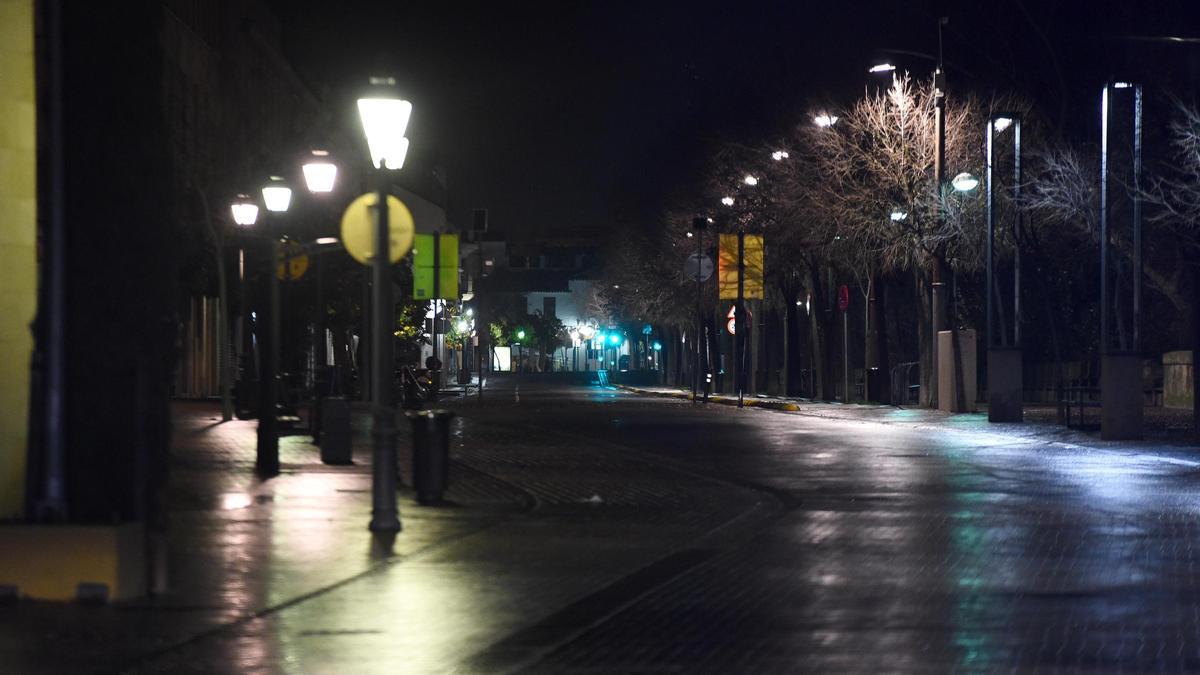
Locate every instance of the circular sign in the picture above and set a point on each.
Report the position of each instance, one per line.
(843, 297)
(699, 267)
(358, 228)
(292, 263)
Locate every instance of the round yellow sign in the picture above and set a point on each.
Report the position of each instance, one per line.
(292, 264)
(358, 228)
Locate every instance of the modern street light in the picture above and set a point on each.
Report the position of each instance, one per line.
(825, 120)
(964, 182)
(385, 119)
(1120, 369)
(1004, 376)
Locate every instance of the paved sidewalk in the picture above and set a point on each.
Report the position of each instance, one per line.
(1165, 428)
(279, 575)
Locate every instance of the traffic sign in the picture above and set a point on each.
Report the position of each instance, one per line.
(698, 267)
(731, 324)
(358, 228)
(844, 297)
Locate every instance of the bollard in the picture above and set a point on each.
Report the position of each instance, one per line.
(335, 431)
(431, 453)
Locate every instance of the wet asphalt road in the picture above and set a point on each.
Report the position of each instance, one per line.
(894, 548)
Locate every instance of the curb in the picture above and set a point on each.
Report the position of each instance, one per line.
(719, 399)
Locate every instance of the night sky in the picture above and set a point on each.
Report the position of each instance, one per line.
(572, 114)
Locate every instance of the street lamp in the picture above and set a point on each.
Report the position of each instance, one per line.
(319, 172)
(898, 215)
(277, 197)
(1004, 377)
(964, 182)
(727, 201)
(245, 211)
(384, 120)
(825, 120)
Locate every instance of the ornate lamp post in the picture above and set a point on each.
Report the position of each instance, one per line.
(384, 118)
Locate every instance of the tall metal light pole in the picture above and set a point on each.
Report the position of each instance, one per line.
(384, 119)
(1004, 362)
(699, 224)
(1120, 369)
(277, 197)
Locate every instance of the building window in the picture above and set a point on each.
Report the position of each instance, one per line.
(548, 303)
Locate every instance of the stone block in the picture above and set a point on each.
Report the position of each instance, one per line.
(948, 400)
(1005, 385)
(1121, 397)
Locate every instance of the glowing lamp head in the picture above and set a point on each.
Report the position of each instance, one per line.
(520, 335)
(320, 173)
(614, 339)
(461, 326)
(882, 68)
(277, 196)
(657, 346)
(385, 119)
(964, 182)
(825, 120)
(750, 180)
(898, 215)
(587, 331)
(1002, 123)
(779, 155)
(245, 212)
(727, 201)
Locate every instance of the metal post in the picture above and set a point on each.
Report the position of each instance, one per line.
(318, 351)
(435, 379)
(385, 517)
(1104, 220)
(266, 460)
(1017, 232)
(1137, 218)
(845, 356)
(739, 324)
(699, 315)
(990, 335)
(939, 169)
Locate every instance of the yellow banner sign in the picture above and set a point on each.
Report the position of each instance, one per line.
(727, 263)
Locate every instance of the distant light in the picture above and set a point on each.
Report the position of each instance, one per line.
(470, 312)
(657, 346)
(277, 196)
(617, 286)
(779, 155)
(898, 215)
(881, 68)
(1122, 85)
(689, 234)
(327, 240)
(520, 335)
(461, 325)
(825, 120)
(587, 331)
(384, 121)
(965, 182)
(614, 339)
(1002, 123)
(320, 175)
(727, 201)
(750, 180)
(245, 212)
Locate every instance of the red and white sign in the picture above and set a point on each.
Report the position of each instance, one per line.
(731, 324)
(844, 297)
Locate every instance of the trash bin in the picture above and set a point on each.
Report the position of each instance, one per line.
(430, 453)
(335, 431)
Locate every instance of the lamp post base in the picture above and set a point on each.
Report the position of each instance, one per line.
(1005, 384)
(1121, 396)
